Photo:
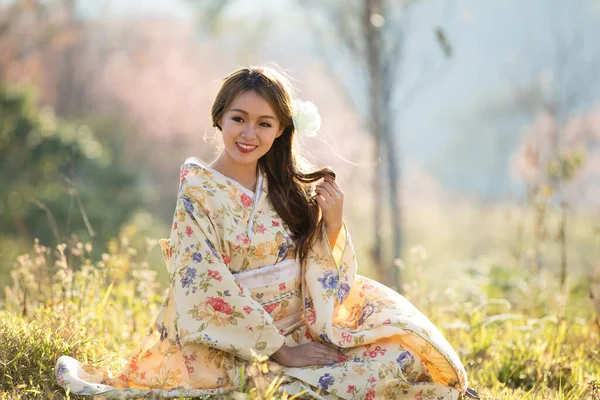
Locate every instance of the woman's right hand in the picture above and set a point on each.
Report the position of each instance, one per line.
(313, 353)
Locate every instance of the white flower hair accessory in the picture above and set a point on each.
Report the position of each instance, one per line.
(307, 120)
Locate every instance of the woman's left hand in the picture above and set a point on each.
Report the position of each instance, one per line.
(331, 200)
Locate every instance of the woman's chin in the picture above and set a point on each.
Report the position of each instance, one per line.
(245, 158)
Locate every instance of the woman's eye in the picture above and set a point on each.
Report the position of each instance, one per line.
(236, 119)
(265, 124)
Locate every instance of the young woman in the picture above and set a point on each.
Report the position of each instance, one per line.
(261, 262)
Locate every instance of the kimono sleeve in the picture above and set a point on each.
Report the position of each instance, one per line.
(329, 276)
(212, 309)
(337, 265)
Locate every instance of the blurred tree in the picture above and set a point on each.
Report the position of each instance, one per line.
(38, 45)
(362, 42)
(137, 82)
(58, 178)
(556, 90)
(551, 90)
(208, 13)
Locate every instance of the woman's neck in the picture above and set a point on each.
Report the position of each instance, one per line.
(245, 174)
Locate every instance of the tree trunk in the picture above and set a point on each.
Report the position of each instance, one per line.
(394, 191)
(373, 40)
(384, 147)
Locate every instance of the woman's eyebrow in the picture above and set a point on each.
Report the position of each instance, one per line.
(244, 112)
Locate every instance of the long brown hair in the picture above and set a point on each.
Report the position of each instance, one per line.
(290, 184)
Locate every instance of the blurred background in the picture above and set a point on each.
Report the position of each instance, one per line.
(465, 133)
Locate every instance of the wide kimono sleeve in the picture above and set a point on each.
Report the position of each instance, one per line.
(347, 309)
(212, 309)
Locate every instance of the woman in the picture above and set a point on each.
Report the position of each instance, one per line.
(261, 262)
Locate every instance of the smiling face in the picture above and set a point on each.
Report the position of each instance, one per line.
(248, 127)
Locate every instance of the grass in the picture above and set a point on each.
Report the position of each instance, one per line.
(519, 334)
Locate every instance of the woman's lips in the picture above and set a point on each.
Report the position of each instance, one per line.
(245, 149)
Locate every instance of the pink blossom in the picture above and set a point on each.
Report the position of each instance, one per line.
(184, 174)
(347, 337)
(246, 200)
(215, 274)
(219, 305)
(243, 238)
(271, 307)
(370, 392)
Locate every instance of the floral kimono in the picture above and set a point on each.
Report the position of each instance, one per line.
(236, 291)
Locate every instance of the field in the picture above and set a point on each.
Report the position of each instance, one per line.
(519, 334)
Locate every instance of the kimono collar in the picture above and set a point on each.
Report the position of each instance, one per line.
(257, 194)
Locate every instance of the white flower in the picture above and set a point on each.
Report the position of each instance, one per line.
(307, 120)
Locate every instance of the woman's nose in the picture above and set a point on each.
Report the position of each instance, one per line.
(249, 131)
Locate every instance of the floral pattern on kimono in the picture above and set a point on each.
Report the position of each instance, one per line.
(235, 290)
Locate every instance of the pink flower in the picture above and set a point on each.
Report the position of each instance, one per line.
(189, 230)
(261, 228)
(282, 286)
(311, 317)
(219, 305)
(243, 238)
(215, 274)
(247, 310)
(246, 200)
(347, 337)
(184, 174)
(370, 392)
(351, 388)
(369, 353)
(241, 287)
(387, 321)
(371, 380)
(133, 365)
(226, 258)
(269, 308)
(275, 223)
